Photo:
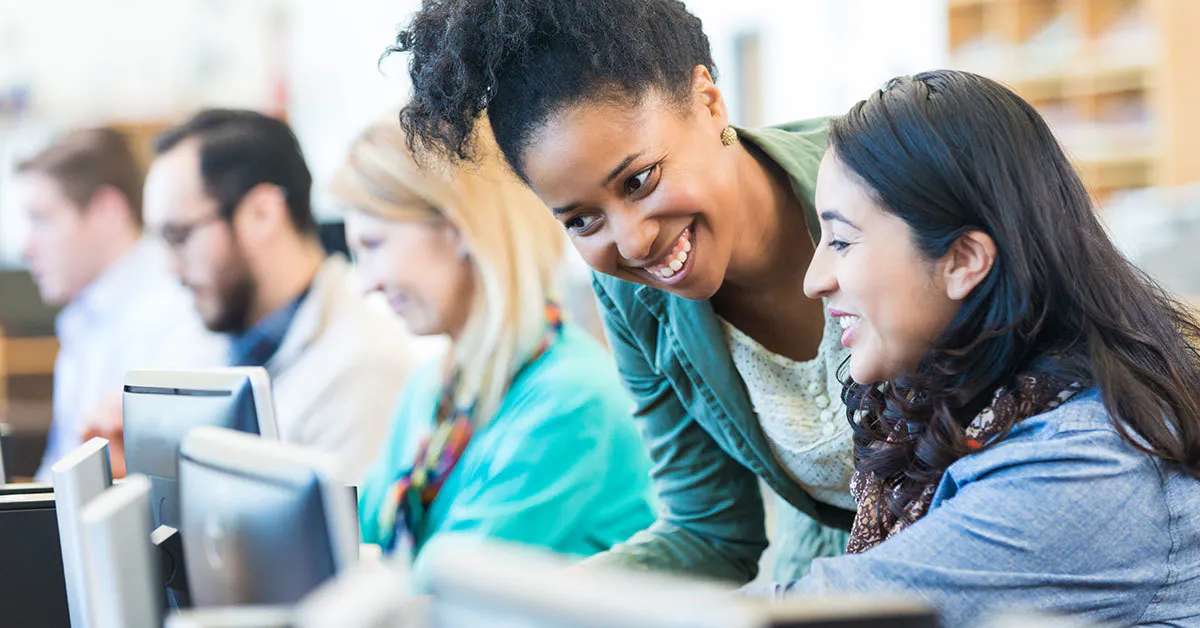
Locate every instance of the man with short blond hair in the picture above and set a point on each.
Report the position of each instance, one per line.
(86, 252)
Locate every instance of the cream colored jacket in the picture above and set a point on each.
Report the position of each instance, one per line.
(340, 368)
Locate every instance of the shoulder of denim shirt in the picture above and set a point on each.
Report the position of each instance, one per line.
(1080, 428)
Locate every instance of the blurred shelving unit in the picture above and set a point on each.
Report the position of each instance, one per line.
(27, 352)
(141, 135)
(1116, 79)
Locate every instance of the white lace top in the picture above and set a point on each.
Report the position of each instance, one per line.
(800, 409)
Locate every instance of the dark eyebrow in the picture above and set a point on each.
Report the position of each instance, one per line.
(558, 211)
(832, 215)
(621, 166)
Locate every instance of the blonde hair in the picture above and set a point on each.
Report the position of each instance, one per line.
(514, 243)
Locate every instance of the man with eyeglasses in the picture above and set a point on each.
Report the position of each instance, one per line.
(86, 251)
(229, 194)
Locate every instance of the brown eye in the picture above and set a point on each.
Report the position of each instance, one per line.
(580, 224)
(639, 180)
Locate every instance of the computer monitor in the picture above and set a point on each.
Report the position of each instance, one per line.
(5, 432)
(79, 477)
(1030, 618)
(32, 588)
(486, 584)
(161, 407)
(237, 617)
(372, 594)
(26, 488)
(120, 565)
(263, 523)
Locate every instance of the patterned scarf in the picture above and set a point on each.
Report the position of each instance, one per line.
(875, 522)
(409, 498)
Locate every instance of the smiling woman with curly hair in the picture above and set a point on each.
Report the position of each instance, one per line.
(699, 234)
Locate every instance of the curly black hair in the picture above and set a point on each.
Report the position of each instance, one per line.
(523, 60)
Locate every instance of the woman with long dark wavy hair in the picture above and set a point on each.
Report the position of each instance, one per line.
(1024, 400)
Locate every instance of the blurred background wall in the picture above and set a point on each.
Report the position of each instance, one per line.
(146, 64)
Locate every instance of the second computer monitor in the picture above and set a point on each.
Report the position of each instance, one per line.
(488, 584)
(33, 591)
(79, 477)
(121, 567)
(263, 522)
(161, 407)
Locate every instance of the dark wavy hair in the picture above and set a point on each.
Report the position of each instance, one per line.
(522, 61)
(950, 152)
(240, 149)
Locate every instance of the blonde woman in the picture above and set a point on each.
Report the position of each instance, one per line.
(523, 432)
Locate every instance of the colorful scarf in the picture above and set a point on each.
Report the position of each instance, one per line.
(410, 497)
(875, 522)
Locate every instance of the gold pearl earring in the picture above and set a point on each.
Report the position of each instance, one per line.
(728, 136)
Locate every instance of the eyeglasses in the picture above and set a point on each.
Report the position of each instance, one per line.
(177, 235)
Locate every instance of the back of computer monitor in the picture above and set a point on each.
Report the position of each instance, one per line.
(264, 402)
(488, 584)
(32, 588)
(5, 432)
(79, 477)
(161, 407)
(121, 568)
(372, 594)
(263, 522)
(26, 488)
(849, 611)
(238, 617)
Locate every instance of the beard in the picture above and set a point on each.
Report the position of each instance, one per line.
(235, 294)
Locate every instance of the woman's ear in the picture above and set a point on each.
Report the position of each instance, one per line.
(967, 263)
(708, 96)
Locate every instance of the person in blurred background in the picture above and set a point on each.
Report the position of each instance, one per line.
(86, 251)
(523, 431)
(699, 235)
(229, 193)
(1025, 399)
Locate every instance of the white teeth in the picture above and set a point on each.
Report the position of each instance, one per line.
(676, 259)
(847, 321)
(661, 271)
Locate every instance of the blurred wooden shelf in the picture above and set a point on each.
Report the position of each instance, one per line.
(28, 356)
(1113, 80)
(1106, 174)
(1079, 82)
(1094, 86)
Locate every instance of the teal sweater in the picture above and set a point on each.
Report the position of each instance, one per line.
(709, 450)
(561, 465)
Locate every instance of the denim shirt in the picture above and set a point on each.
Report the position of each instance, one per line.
(1062, 515)
(257, 345)
(708, 449)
